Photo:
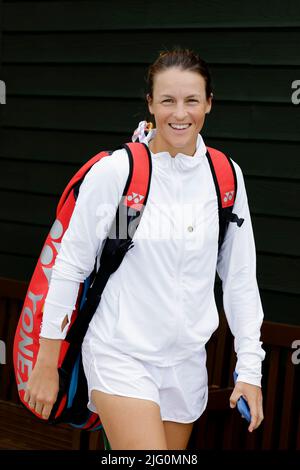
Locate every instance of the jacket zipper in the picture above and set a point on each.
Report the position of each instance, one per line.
(178, 287)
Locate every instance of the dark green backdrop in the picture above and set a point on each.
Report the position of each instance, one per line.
(74, 73)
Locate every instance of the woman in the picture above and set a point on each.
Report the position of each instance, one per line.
(144, 353)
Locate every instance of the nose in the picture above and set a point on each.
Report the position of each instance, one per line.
(180, 112)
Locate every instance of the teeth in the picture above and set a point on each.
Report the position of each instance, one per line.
(179, 126)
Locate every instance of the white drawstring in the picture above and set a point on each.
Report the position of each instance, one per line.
(143, 133)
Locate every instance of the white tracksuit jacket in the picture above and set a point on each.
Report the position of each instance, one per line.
(159, 306)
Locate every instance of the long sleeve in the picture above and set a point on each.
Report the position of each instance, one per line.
(242, 304)
(95, 208)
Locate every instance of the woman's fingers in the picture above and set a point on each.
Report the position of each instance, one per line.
(234, 397)
(39, 407)
(26, 395)
(257, 416)
(28, 398)
(42, 389)
(256, 411)
(42, 408)
(254, 416)
(46, 411)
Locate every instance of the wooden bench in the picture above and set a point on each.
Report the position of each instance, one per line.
(219, 427)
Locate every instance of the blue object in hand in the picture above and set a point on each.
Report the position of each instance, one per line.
(242, 404)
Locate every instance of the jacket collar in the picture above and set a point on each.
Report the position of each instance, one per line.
(181, 160)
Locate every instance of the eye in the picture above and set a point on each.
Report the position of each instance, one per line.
(193, 99)
(167, 100)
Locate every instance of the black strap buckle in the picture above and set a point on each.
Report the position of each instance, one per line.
(234, 218)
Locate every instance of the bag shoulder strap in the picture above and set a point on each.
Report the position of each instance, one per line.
(225, 180)
(135, 194)
(138, 183)
(118, 241)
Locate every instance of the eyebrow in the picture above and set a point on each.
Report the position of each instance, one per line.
(190, 96)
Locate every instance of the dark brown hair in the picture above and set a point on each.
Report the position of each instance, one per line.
(185, 59)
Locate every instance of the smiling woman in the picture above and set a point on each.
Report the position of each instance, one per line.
(144, 354)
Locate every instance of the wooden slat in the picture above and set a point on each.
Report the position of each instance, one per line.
(251, 441)
(21, 431)
(8, 385)
(4, 320)
(227, 440)
(285, 235)
(88, 15)
(33, 238)
(262, 192)
(95, 441)
(282, 336)
(218, 371)
(271, 333)
(231, 83)
(211, 428)
(262, 158)
(219, 398)
(71, 114)
(258, 121)
(211, 349)
(97, 81)
(21, 267)
(197, 439)
(36, 177)
(232, 364)
(239, 83)
(28, 208)
(56, 146)
(12, 289)
(287, 405)
(270, 400)
(270, 271)
(280, 307)
(279, 47)
(38, 196)
(270, 277)
(298, 435)
(17, 267)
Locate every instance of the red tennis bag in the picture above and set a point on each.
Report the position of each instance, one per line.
(71, 404)
(72, 399)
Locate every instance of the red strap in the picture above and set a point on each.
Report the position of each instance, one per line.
(225, 176)
(138, 186)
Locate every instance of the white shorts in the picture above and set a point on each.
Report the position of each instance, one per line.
(180, 391)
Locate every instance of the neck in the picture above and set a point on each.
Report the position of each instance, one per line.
(152, 146)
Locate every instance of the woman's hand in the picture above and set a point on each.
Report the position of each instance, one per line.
(43, 383)
(253, 395)
(42, 389)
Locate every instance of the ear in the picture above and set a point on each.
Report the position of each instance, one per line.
(209, 104)
(149, 100)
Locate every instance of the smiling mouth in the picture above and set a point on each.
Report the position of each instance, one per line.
(179, 127)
